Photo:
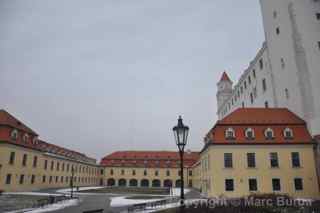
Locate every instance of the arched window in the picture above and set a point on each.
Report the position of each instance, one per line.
(269, 134)
(230, 133)
(288, 133)
(14, 134)
(249, 133)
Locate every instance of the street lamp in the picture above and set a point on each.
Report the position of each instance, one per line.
(181, 135)
(71, 181)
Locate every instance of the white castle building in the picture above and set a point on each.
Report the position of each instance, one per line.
(286, 70)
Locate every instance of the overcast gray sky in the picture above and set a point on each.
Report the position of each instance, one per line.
(104, 75)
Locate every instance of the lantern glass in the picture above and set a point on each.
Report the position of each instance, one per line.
(180, 134)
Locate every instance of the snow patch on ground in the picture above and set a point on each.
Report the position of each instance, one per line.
(52, 207)
(176, 191)
(123, 201)
(68, 190)
(31, 193)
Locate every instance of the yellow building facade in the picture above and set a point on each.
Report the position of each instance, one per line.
(27, 163)
(258, 151)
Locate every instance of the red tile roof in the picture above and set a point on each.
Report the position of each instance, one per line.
(243, 116)
(225, 77)
(6, 119)
(157, 159)
(259, 119)
(9, 120)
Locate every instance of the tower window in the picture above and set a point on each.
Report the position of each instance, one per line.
(278, 30)
(287, 93)
(264, 85)
(282, 63)
(261, 63)
(275, 14)
(251, 98)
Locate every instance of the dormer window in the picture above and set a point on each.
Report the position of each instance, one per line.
(230, 133)
(249, 133)
(25, 138)
(288, 133)
(35, 140)
(269, 134)
(14, 134)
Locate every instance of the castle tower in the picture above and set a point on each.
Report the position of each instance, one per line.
(224, 90)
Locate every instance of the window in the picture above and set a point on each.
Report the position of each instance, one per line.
(229, 185)
(145, 173)
(249, 133)
(190, 172)
(156, 173)
(295, 158)
(52, 165)
(12, 157)
(287, 93)
(122, 172)
(319, 45)
(274, 162)
(249, 79)
(275, 14)
(242, 104)
(63, 167)
(278, 30)
(33, 177)
(57, 179)
(179, 173)
(241, 89)
(276, 184)
(245, 85)
(251, 160)
(268, 133)
(43, 179)
(283, 65)
(228, 160)
(133, 172)
(45, 164)
(266, 104)
(35, 161)
(264, 85)
(318, 16)
(168, 172)
(8, 179)
(298, 185)
(14, 134)
(253, 185)
(111, 171)
(21, 180)
(50, 179)
(288, 133)
(254, 73)
(230, 133)
(24, 160)
(261, 64)
(61, 179)
(251, 97)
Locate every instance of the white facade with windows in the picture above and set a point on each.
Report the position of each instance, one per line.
(286, 71)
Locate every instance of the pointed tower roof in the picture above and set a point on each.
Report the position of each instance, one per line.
(225, 77)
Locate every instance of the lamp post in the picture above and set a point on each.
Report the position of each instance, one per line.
(181, 135)
(71, 181)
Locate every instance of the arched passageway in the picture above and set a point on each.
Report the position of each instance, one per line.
(156, 183)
